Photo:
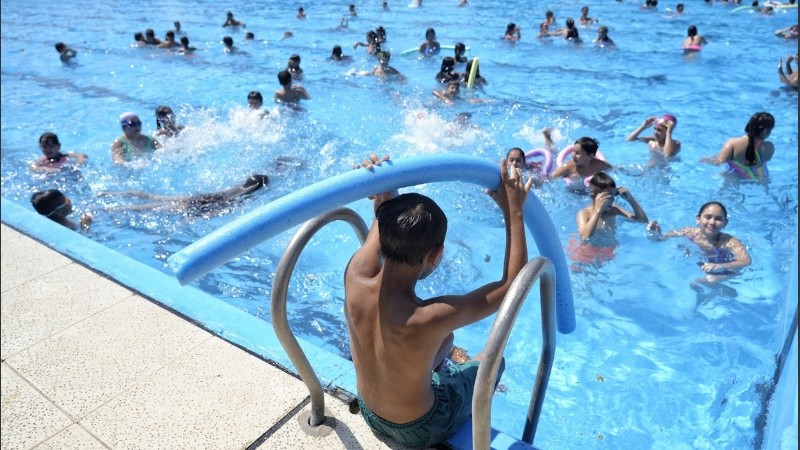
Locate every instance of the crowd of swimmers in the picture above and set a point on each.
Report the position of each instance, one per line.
(405, 244)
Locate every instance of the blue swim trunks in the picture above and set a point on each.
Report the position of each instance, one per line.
(453, 387)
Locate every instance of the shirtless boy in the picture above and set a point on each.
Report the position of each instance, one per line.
(289, 93)
(396, 340)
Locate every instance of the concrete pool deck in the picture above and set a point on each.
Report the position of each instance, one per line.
(88, 363)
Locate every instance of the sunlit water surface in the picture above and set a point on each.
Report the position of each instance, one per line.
(656, 361)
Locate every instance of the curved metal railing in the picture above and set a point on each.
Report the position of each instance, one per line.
(498, 337)
(539, 267)
(280, 287)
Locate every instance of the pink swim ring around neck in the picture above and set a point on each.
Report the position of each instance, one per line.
(547, 166)
(562, 157)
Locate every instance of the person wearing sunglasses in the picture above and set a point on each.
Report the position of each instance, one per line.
(132, 144)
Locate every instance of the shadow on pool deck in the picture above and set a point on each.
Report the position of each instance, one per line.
(87, 363)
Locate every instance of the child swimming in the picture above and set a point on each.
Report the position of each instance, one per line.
(597, 222)
(725, 255)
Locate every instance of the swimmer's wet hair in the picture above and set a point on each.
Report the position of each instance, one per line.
(256, 95)
(602, 181)
(410, 226)
(48, 138)
(284, 77)
(47, 202)
(706, 205)
(588, 145)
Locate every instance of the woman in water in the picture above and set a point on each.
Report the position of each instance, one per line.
(132, 144)
(53, 159)
(693, 41)
(747, 155)
(724, 254)
(661, 141)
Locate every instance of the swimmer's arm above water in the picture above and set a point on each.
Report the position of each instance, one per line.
(367, 262)
(725, 154)
(116, 152)
(635, 135)
(638, 213)
(655, 232)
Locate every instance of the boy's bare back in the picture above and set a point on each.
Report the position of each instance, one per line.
(396, 340)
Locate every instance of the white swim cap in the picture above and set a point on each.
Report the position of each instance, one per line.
(126, 116)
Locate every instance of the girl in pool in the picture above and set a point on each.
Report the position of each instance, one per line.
(661, 141)
(583, 165)
(725, 255)
(53, 159)
(132, 144)
(747, 156)
(693, 41)
(597, 222)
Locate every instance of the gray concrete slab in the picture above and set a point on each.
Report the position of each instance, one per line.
(216, 396)
(27, 418)
(92, 365)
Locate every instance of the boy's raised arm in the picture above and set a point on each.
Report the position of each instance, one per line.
(366, 261)
(461, 310)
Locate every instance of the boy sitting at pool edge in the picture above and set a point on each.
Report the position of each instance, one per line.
(398, 343)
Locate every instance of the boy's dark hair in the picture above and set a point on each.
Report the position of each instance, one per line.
(60, 46)
(185, 40)
(589, 145)
(602, 181)
(46, 202)
(410, 226)
(256, 95)
(228, 40)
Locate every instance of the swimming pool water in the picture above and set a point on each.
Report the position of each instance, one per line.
(656, 361)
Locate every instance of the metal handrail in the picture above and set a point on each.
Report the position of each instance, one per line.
(498, 337)
(280, 288)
